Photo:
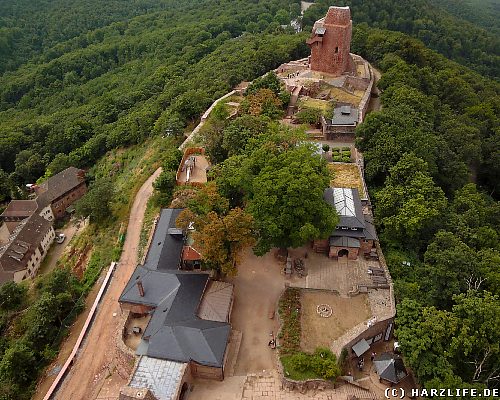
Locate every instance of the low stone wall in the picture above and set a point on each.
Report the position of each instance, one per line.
(304, 386)
(126, 359)
(357, 83)
(205, 372)
(358, 157)
(204, 117)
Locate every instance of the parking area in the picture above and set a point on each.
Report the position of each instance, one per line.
(57, 249)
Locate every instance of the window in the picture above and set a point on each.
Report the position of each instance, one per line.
(336, 50)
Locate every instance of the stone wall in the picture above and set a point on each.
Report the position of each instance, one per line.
(130, 393)
(365, 100)
(366, 246)
(357, 83)
(204, 118)
(205, 372)
(136, 308)
(321, 245)
(353, 252)
(60, 205)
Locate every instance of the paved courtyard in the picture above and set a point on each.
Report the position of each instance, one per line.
(324, 273)
(268, 387)
(251, 373)
(198, 172)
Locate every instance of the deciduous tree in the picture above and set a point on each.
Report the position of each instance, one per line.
(287, 200)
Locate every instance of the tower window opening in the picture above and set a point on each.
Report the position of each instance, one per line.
(336, 49)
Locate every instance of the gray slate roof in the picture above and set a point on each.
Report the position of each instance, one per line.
(175, 332)
(165, 245)
(23, 243)
(344, 115)
(390, 367)
(344, 242)
(348, 205)
(361, 347)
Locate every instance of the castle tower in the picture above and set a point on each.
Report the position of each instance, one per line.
(330, 42)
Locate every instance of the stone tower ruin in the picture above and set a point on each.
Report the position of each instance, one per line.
(330, 42)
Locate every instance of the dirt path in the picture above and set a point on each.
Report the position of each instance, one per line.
(99, 351)
(257, 288)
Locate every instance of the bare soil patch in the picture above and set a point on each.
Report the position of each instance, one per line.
(258, 286)
(318, 331)
(346, 176)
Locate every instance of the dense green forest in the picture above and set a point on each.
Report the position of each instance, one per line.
(113, 74)
(29, 29)
(485, 13)
(80, 79)
(432, 164)
(119, 84)
(472, 42)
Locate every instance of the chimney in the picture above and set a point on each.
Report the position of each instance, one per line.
(141, 288)
(80, 175)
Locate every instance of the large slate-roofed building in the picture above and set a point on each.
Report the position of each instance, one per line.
(25, 248)
(188, 323)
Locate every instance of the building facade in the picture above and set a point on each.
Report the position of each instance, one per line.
(27, 245)
(342, 124)
(26, 230)
(330, 42)
(355, 234)
(62, 190)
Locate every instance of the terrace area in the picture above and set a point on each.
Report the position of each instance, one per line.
(193, 167)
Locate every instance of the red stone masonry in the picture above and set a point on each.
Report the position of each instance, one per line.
(330, 42)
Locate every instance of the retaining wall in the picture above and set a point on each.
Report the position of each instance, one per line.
(204, 118)
(86, 327)
(365, 100)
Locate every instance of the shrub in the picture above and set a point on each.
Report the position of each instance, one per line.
(321, 364)
(346, 148)
(308, 115)
(336, 158)
(300, 361)
(325, 147)
(346, 159)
